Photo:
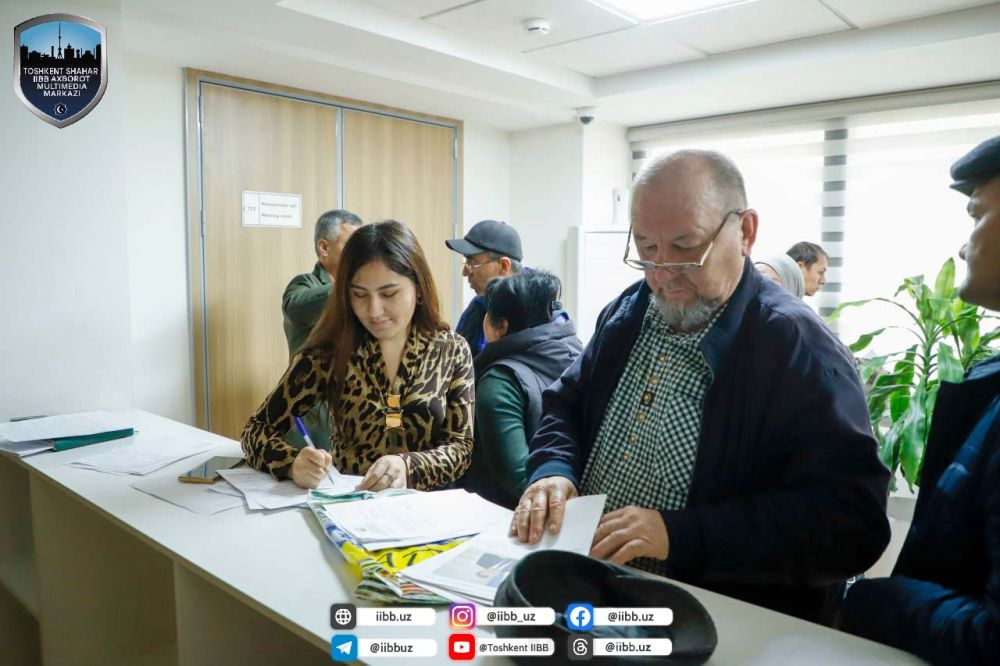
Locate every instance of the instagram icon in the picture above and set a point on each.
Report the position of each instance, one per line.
(462, 616)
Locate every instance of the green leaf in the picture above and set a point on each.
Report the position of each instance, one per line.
(990, 337)
(850, 304)
(869, 367)
(865, 340)
(932, 394)
(944, 285)
(968, 327)
(924, 306)
(905, 367)
(899, 402)
(889, 451)
(949, 369)
(941, 312)
(913, 436)
(910, 285)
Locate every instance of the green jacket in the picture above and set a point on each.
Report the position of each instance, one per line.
(303, 303)
(501, 449)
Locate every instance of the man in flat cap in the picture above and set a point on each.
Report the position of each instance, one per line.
(942, 601)
(491, 249)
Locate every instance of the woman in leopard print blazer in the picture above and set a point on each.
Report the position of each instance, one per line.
(398, 381)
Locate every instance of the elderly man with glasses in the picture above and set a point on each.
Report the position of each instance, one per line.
(721, 417)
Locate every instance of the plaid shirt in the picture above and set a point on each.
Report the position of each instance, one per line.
(646, 447)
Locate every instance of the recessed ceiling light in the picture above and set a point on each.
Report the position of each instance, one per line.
(650, 11)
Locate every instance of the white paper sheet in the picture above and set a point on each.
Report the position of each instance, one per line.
(477, 567)
(265, 492)
(64, 425)
(27, 448)
(223, 487)
(195, 497)
(415, 518)
(143, 457)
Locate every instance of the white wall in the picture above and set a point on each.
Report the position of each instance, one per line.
(65, 337)
(163, 378)
(95, 269)
(607, 165)
(546, 184)
(485, 181)
(562, 176)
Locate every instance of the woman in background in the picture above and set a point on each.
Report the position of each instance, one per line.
(784, 272)
(529, 344)
(397, 380)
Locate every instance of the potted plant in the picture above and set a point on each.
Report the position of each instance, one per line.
(902, 385)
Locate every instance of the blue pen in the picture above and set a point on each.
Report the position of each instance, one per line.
(305, 435)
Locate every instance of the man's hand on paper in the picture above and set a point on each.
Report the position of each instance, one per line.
(543, 502)
(628, 533)
(309, 467)
(387, 472)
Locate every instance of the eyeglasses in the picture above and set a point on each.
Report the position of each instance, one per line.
(471, 267)
(678, 267)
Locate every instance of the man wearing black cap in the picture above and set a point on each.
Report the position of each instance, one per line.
(491, 249)
(942, 601)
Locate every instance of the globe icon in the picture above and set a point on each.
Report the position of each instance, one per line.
(342, 616)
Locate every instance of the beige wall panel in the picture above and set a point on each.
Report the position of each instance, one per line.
(404, 170)
(256, 142)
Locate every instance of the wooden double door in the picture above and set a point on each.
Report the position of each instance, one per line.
(251, 137)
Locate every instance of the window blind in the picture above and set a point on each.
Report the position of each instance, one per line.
(870, 187)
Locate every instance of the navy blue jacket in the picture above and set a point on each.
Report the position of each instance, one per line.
(470, 325)
(942, 601)
(787, 497)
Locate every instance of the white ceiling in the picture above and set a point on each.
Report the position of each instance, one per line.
(868, 13)
(753, 24)
(637, 47)
(500, 21)
(473, 60)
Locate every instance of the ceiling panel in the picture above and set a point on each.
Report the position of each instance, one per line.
(624, 50)
(752, 24)
(417, 7)
(499, 21)
(866, 13)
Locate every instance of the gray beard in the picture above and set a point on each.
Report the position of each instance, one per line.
(686, 317)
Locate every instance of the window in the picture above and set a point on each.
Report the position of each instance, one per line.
(870, 186)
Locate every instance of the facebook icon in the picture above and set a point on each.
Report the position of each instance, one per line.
(580, 617)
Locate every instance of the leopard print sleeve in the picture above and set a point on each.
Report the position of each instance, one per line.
(303, 384)
(449, 458)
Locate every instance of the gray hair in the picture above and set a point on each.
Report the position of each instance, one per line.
(515, 265)
(726, 177)
(328, 225)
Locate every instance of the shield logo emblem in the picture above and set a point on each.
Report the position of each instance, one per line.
(60, 66)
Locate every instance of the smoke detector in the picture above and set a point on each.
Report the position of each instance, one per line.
(537, 26)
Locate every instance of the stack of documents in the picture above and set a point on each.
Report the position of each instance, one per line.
(262, 491)
(475, 569)
(141, 458)
(66, 431)
(413, 519)
(28, 448)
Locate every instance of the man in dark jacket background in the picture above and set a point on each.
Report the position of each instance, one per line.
(491, 249)
(724, 421)
(942, 601)
(306, 295)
